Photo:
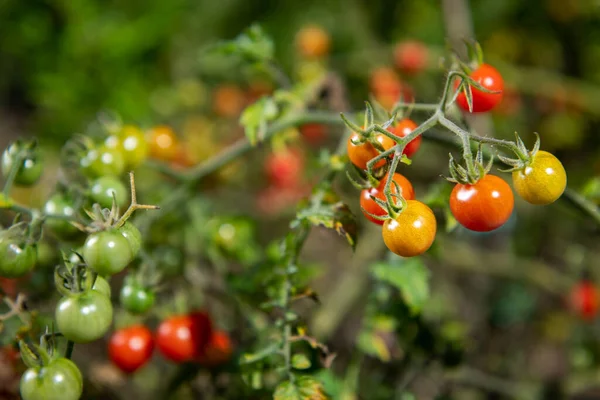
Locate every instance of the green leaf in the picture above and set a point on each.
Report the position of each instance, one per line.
(303, 388)
(325, 209)
(410, 276)
(252, 44)
(5, 202)
(255, 117)
(300, 361)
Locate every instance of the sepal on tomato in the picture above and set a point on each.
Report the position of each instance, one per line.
(524, 156)
(33, 356)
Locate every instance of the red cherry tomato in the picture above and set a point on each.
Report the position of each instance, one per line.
(403, 128)
(585, 300)
(361, 154)
(411, 56)
(314, 134)
(131, 348)
(285, 168)
(218, 351)
(185, 337)
(484, 206)
(488, 77)
(369, 205)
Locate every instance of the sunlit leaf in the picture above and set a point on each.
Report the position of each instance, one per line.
(255, 117)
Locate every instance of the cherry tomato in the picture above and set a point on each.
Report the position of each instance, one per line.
(404, 127)
(16, 259)
(185, 337)
(59, 380)
(163, 143)
(412, 232)
(411, 56)
(103, 161)
(107, 252)
(484, 206)
(218, 351)
(369, 205)
(312, 41)
(84, 317)
(361, 154)
(31, 167)
(585, 300)
(285, 168)
(101, 285)
(543, 181)
(133, 145)
(103, 188)
(131, 348)
(61, 205)
(133, 236)
(135, 298)
(228, 101)
(314, 134)
(488, 77)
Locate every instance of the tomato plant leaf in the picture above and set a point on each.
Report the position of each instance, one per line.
(252, 44)
(410, 276)
(300, 361)
(255, 117)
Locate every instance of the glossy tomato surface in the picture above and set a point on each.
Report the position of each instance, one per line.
(402, 129)
(412, 232)
(369, 205)
(360, 154)
(489, 78)
(543, 181)
(185, 337)
(131, 348)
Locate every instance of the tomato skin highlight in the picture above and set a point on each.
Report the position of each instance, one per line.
(402, 129)
(162, 143)
(16, 259)
(362, 153)
(369, 205)
(484, 206)
(30, 170)
(488, 77)
(412, 232)
(585, 300)
(59, 380)
(543, 181)
(185, 337)
(133, 145)
(84, 317)
(131, 348)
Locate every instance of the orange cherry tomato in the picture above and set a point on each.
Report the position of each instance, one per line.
(228, 101)
(369, 205)
(163, 143)
(403, 128)
(313, 41)
(484, 206)
(361, 154)
(412, 232)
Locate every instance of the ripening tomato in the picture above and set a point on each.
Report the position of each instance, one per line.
(135, 298)
(84, 317)
(284, 168)
(133, 145)
(369, 205)
(411, 56)
(60, 379)
(402, 129)
(218, 351)
(585, 299)
(184, 338)
(361, 154)
(228, 101)
(488, 77)
(30, 170)
(543, 181)
(103, 188)
(412, 232)
(62, 206)
(484, 206)
(16, 259)
(131, 348)
(107, 252)
(312, 41)
(103, 161)
(162, 142)
(314, 134)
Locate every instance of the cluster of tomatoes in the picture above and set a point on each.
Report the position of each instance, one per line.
(482, 205)
(181, 338)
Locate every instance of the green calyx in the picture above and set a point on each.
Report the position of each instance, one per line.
(472, 173)
(524, 156)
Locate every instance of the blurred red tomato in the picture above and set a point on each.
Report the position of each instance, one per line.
(411, 56)
(585, 300)
(313, 133)
(218, 351)
(284, 168)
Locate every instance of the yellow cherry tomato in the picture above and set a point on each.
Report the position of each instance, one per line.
(543, 181)
(163, 143)
(412, 232)
(133, 145)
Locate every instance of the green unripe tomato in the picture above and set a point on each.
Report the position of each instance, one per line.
(133, 236)
(103, 161)
(102, 190)
(60, 205)
(107, 252)
(59, 380)
(16, 259)
(30, 170)
(84, 317)
(101, 285)
(135, 298)
(133, 145)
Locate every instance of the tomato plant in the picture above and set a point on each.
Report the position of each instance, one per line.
(84, 317)
(403, 128)
(412, 232)
(131, 348)
(369, 206)
(184, 337)
(59, 379)
(489, 78)
(483, 206)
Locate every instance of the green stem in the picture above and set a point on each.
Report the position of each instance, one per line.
(12, 174)
(69, 351)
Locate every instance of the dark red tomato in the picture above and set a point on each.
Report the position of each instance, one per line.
(314, 134)
(218, 351)
(185, 337)
(131, 348)
(284, 169)
(403, 128)
(369, 205)
(585, 300)
(484, 206)
(488, 77)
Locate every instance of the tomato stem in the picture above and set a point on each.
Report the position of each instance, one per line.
(69, 351)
